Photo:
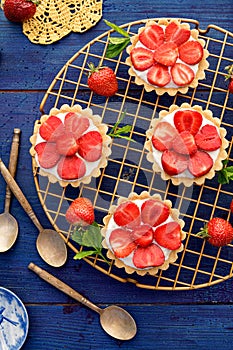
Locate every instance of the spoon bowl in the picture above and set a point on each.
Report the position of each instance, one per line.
(8, 231)
(114, 320)
(8, 224)
(50, 244)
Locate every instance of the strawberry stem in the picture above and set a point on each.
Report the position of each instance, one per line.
(203, 232)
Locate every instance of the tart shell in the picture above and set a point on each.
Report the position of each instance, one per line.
(202, 65)
(208, 115)
(173, 255)
(102, 128)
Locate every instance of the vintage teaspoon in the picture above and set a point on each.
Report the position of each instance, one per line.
(114, 320)
(8, 224)
(50, 244)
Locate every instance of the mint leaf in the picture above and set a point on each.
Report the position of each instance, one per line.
(84, 254)
(120, 132)
(225, 175)
(88, 237)
(114, 50)
(116, 44)
(117, 29)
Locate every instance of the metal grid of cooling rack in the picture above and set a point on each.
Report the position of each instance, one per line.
(200, 264)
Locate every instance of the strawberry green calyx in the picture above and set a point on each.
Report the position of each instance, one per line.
(94, 69)
(204, 232)
(36, 2)
(229, 70)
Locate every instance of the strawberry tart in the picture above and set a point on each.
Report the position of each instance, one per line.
(167, 56)
(186, 144)
(142, 233)
(70, 145)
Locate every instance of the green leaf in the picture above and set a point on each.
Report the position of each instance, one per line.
(84, 254)
(92, 237)
(117, 29)
(116, 40)
(77, 236)
(114, 50)
(225, 175)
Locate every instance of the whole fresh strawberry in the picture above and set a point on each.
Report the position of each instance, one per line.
(218, 232)
(102, 80)
(20, 10)
(230, 77)
(80, 212)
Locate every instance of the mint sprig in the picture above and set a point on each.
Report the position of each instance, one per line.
(225, 175)
(116, 44)
(121, 132)
(88, 237)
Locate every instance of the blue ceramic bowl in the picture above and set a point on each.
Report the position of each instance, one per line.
(13, 321)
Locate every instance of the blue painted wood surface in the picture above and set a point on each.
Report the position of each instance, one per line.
(197, 319)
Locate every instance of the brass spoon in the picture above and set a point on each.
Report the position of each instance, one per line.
(114, 320)
(50, 244)
(8, 224)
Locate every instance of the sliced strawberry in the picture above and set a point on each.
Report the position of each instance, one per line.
(184, 143)
(51, 129)
(47, 154)
(168, 235)
(208, 138)
(150, 256)
(200, 163)
(90, 146)
(191, 52)
(76, 124)
(121, 242)
(164, 133)
(158, 75)
(181, 74)
(176, 34)
(67, 144)
(143, 235)
(127, 214)
(166, 54)
(188, 120)
(174, 163)
(152, 36)
(71, 168)
(154, 212)
(141, 58)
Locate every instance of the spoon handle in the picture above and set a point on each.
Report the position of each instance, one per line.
(63, 287)
(19, 195)
(12, 165)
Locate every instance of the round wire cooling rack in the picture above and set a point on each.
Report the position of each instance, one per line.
(199, 264)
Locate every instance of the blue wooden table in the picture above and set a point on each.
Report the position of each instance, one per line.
(186, 319)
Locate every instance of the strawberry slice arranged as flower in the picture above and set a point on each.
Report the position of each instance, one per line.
(164, 134)
(166, 54)
(154, 212)
(143, 235)
(168, 235)
(67, 145)
(71, 168)
(128, 215)
(174, 163)
(142, 58)
(150, 256)
(200, 163)
(175, 34)
(152, 36)
(90, 146)
(158, 75)
(47, 154)
(51, 129)
(76, 124)
(184, 143)
(182, 75)
(188, 120)
(191, 52)
(208, 139)
(121, 242)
